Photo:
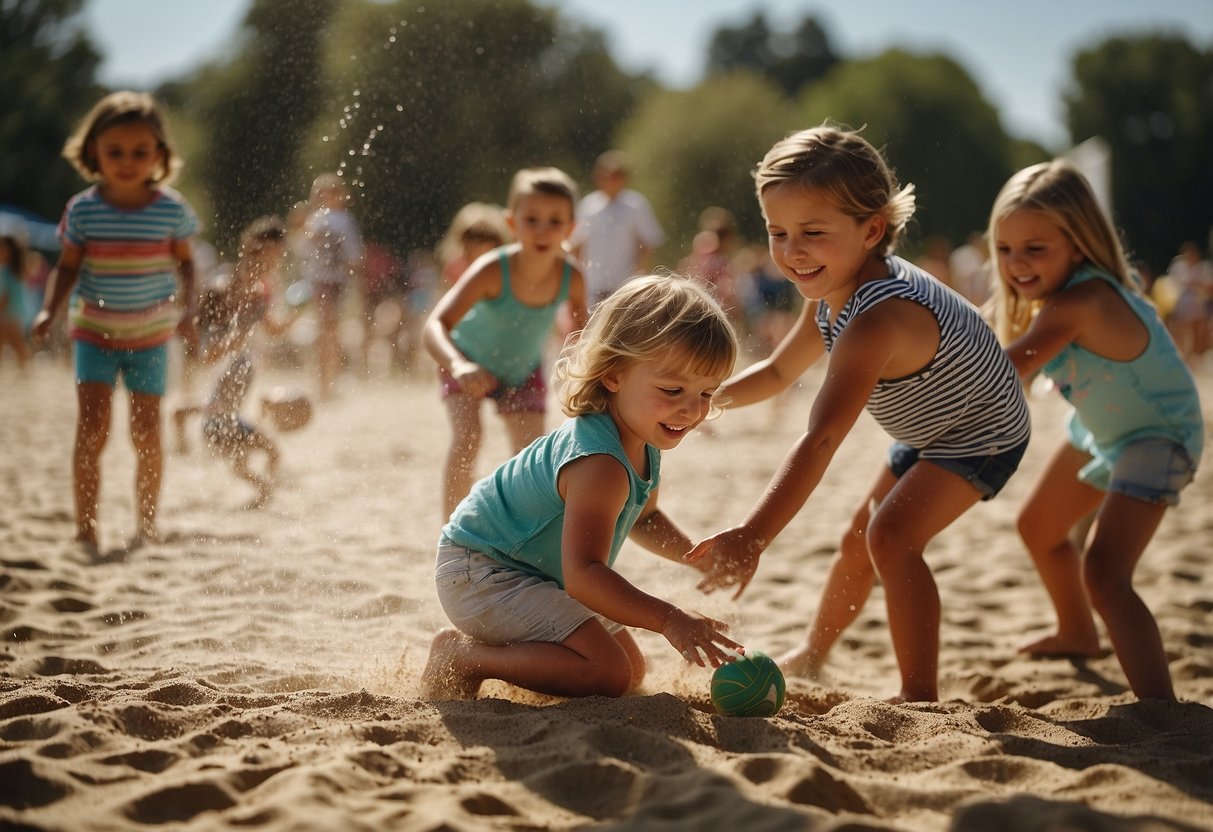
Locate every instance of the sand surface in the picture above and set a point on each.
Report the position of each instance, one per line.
(259, 669)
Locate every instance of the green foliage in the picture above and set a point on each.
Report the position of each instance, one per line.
(790, 60)
(695, 149)
(936, 127)
(247, 117)
(436, 105)
(47, 71)
(1151, 99)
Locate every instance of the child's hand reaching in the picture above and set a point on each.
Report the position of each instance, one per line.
(473, 379)
(41, 327)
(727, 558)
(691, 633)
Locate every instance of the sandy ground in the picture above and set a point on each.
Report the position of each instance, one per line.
(259, 669)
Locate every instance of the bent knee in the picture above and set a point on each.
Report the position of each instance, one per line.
(853, 551)
(612, 679)
(1106, 591)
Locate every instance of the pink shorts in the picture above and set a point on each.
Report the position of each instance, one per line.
(528, 397)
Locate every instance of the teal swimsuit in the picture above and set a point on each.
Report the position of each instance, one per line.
(1117, 403)
(505, 336)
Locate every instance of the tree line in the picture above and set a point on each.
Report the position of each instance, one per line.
(424, 106)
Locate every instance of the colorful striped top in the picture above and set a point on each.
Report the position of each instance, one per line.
(126, 294)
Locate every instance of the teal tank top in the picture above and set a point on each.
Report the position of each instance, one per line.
(516, 515)
(505, 336)
(1117, 403)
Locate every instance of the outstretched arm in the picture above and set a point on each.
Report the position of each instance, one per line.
(856, 364)
(778, 371)
(595, 489)
(657, 532)
(1059, 322)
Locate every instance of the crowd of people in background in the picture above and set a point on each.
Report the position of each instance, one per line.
(367, 301)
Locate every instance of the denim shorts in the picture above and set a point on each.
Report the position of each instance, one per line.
(528, 397)
(498, 604)
(1153, 470)
(142, 371)
(988, 474)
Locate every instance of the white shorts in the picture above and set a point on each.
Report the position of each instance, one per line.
(498, 604)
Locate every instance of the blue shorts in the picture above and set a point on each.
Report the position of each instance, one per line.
(497, 604)
(142, 371)
(528, 397)
(988, 474)
(1153, 470)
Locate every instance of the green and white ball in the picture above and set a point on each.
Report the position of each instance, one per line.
(753, 685)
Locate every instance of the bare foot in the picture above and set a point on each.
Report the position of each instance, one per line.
(89, 549)
(144, 537)
(446, 674)
(906, 697)
(800, 662)
(1062, 646)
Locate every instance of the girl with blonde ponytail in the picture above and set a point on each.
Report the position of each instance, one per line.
(917, 355)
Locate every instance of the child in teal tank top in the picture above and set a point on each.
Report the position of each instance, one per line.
(1068, 305)
(488, 332)
(524, 567)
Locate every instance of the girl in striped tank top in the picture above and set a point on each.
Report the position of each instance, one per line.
(128, 266)
(915, 354)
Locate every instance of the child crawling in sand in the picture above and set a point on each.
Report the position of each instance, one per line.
(235, 314)
(524, 567)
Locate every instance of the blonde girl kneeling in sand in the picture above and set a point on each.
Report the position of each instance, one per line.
(524, 567)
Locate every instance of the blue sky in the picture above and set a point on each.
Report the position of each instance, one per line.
(1019, 53)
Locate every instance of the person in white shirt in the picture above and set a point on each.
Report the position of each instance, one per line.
(616, 229)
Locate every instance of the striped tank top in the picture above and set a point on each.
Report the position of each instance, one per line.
(968, 400)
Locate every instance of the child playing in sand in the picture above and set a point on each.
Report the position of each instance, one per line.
(915, 354)
(242, 306)
(524, 565)
(127, 240)
(334, 260)
(1068, 304)
(488, 332)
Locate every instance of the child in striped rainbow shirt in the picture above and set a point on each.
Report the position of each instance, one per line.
(127, 262)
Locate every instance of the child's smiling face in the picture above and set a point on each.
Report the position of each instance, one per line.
(1035, 256)
(821, 250)
(658, 402)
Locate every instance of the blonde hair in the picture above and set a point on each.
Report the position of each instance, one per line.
(847, 167)
(474, 222)
(1059, 191)
(650, 318)
(117, 108)
(544, 180)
